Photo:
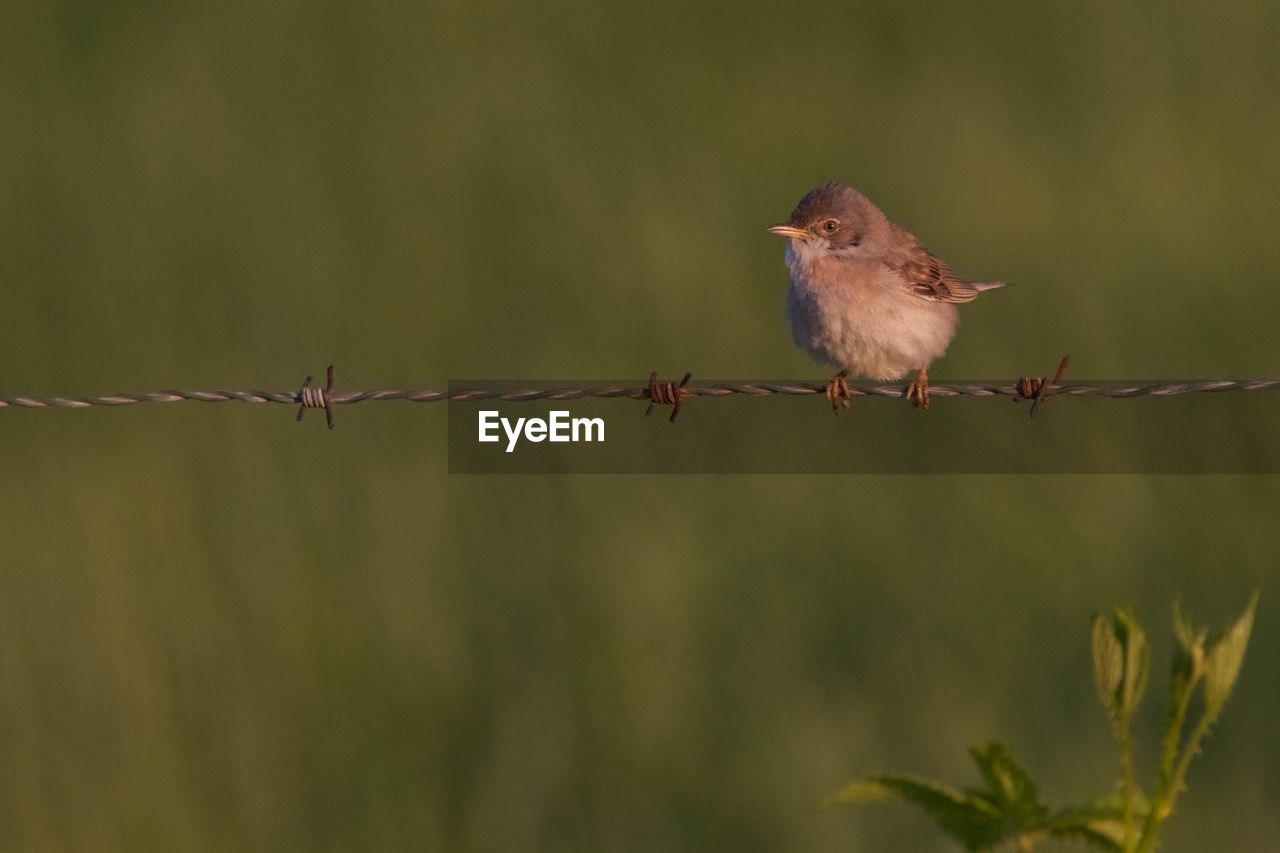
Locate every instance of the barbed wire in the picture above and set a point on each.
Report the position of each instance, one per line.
(660, 393)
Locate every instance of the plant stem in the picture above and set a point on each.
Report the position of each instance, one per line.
(1173, 733)
(1162, 807)
(1162, 801)
(1124, 733)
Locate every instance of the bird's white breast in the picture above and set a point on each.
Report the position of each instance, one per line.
(855, 314)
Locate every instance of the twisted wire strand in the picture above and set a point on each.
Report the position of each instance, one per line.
(759, 388)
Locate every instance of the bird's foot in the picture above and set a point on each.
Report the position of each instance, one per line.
(918, 391)
(838, 392)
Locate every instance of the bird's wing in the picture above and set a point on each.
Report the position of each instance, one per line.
(927, 276)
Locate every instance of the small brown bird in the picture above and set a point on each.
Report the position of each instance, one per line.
(865, 296)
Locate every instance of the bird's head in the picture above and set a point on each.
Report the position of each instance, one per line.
(834, 219)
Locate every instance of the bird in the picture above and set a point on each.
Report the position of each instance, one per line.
(866, 297)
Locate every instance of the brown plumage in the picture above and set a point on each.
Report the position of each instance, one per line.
(928, 276)
(866, 296)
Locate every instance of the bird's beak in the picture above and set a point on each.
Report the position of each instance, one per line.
(789, 231)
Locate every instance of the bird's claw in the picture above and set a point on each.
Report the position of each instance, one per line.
(838, 392)
(918, 391)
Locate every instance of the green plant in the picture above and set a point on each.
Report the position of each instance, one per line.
(1006, 808)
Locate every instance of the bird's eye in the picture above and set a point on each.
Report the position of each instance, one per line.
(830, 225)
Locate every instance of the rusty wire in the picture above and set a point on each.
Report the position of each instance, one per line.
(1036, 390)
(669, 393)
(317, 398)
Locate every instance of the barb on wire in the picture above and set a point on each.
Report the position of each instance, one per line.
(668, 394)
(656, 393)
(1037, 390)
(317, 398)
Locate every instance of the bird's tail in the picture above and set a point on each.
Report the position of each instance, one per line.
(986, 285)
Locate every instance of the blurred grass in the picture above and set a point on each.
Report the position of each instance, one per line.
(219, 630)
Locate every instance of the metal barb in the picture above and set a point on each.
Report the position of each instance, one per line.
(317, 398)
(1038, 390)
(667, 394)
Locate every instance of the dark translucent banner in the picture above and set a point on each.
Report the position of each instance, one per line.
(1223, 432)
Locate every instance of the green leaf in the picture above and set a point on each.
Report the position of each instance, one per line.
(1006, 806)
(1009, 787)
(967, 819)
(1099, 822)
(1108, 661)
(1137, 662)
(1121, 660)
(1188, 658)
(1223, 657)
(1088, 835)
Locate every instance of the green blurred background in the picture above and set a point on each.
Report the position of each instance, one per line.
(220, 630)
